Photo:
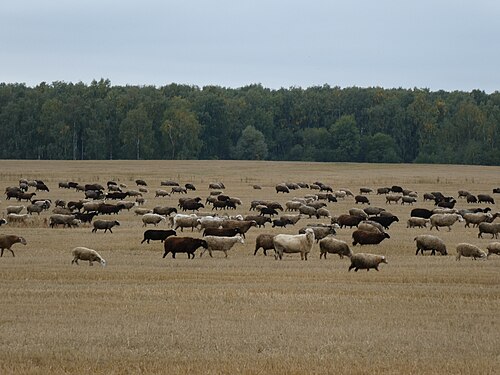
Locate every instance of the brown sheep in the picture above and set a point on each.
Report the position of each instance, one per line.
(7, 240)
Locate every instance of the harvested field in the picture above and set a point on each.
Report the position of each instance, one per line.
(246, 314)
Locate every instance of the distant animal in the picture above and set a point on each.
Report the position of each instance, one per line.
(7, 240)
(84, 253)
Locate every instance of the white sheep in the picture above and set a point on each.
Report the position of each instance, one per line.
(184, 221)
(333, 246)
(477, 218)
(289, 243)
(364, 261)
(493, 248)
(417, 222)
(323, 212)
(358, 212)
(139, 211)
(15, 209)
(127, 204)
(293, 205)
(154, 219)
(470, 251)
(223, 244)
(209, 222)
(162, 193)
(369, 226)
(444, 220)
(84, 253)
(18, 218)
(340, 194)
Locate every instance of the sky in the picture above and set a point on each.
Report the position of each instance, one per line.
(433, 44)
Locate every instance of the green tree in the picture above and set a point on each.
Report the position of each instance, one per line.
(251, 145)
(380, 148)
(345, 139)
(136, 134)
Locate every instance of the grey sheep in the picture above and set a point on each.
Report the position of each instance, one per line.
(64, 220)
(14, 209)
(417, 222)
(430, 242)
(333, 246)
(493, 248)
(364, 261)
(84, 253)
(470, 251)
(320, 232)
(265, 241)
(444, 220)
(491, 228)
(104, 225)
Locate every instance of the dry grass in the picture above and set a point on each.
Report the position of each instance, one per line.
(246, 314)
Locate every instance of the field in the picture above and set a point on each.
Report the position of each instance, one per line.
(246, 314)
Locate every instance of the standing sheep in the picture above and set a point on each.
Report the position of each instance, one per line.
(84, 253)
(490, 228)
(7, 240)
(444, 220)
(154, 219)
(104, 225)
(288, 243)
(333, 246)
(368, 238)
(363, 261)
(265, 241)
(417, 222)
(470, 251)
(223, 244)
(429, 242)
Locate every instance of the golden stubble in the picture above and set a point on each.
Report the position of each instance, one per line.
(246, 314)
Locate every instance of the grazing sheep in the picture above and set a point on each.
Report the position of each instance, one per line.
(444, 220)
(265, 241)
(308, 210)
(289, 243)
(347, 192)
(365, 190)
(169, 183)
(142, 211)
(383, 190)
(183, 245)
(223, 244)
(154, 219)
(471, 198)
(373, 211)
(368, 238)
(209, 222)
(292, 219)
(190, 186)
(257, 187)
(417, 222)
(358, 212)
(317, 204)
(260, 220)
(363, 261)
(421, 212)
(185, 221)
(485, 198)
(61, 211)
(371, 226)
(429, 242)
(470, 251)
(491, 228)
(463, 194)
(428, 197)
(361, 199)
(385, 221)
(293, 205)
(282, 188)
(408, 200)
(243, 225)
(323, 212)
(221, 232)
(104, 225)
(161, 193)
(157, 235)
(84, 253)
(333, 246)
(493, 248)
(14, 209)
(34, 208)
(140, 200)
(349, 221)
(340, 194)
(127, 205)
(7, 240)
(178, 189)
(280, 223)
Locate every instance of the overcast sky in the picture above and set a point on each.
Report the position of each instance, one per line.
(435, 44)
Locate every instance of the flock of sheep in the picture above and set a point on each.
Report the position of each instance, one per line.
(220, 232)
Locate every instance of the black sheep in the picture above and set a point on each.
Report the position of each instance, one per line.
(157, 235)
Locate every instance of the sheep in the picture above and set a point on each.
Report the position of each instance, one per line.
(282, 188)
(265, 241)
(209, 222)
(365, 190)
(280, 223)
(323, 212)
(421, 212)
(127, 205)
(493, 248)
(293, 205)
(471, 198)
(383, 190)
(292, 219)
(371, 226)
(257, 187)
(317, 204)
(104, 225)
(491, 228)
(373, 210)
(185, 221)
(430, 242)
(169, 183)
(442, 210)
(142, 211)
(183, 245)
(64, 220)
(320, 232)
(470, 251)
(463, 194)
(14, 209)
(417, 222)
(61, 211)
(361, 199)
(476, 218)
(216, 185)
(242, 225)
(392, 198)
(178, 189)
(7, 240)
(18, 218)
(140, 200)
(161, 193)
(368, 238)
(91, 206)
(84, 253)
(221, 232)
(333, 246)
(221, 244)
(307, 210)
(289, 243)
(358, 212)
(444, 220)
(363, 261)
(385, 214)
(154, 219)
(157, 235)
(349, 221)
(347, 192)
(485, 198)
(260, 220)
(385, 221)
(408, 199)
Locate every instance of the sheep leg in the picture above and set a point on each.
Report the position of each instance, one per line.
(165, 254)
(173, 254)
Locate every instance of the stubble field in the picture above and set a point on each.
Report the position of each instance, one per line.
(246, 314)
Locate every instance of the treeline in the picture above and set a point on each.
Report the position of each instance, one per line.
(100, 121)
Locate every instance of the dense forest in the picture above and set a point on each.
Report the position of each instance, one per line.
(100, 121)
